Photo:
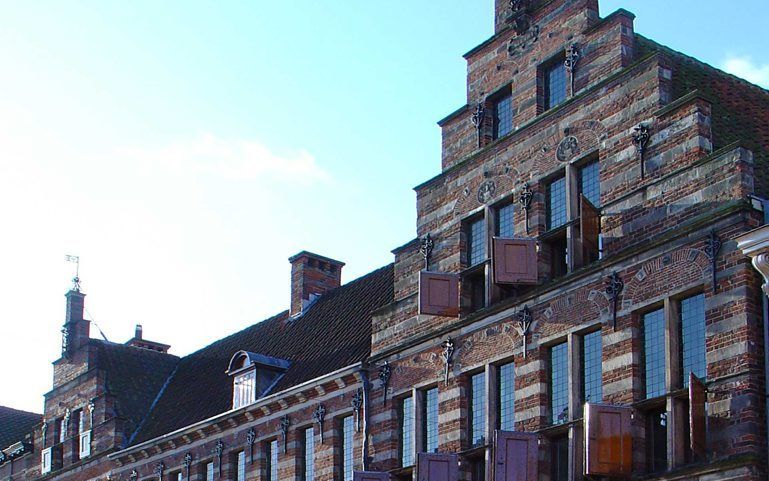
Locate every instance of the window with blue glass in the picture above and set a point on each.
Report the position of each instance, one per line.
(505, 221)
(240, 474)
(407, 432)
(559, 384)
(555, 84)
(347, 448)
(692, 325)
(476, 241)
(430, 416)
(589, 184)
(272, 457)
(309, 454)
(503, 115)
(654, 353)
(478, 409)
(592, 349)
(556, 203)
(507, 397)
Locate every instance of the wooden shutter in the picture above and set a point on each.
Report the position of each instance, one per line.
(437, 467)
(590, 228)
(514, 261)
(608, 441)
(370, 476)
(697, 416)
(438, 294)
(516, 456)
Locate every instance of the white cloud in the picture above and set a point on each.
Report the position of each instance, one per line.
(230, 159)
(745, 67)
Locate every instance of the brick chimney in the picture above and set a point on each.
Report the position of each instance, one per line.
(77, 329)
(141, 343)
(312, 276)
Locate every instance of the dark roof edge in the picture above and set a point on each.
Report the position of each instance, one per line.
(453, 114)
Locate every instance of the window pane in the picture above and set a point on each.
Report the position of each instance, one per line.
(347, 447)
(507, 397)
(477, 242)
(241, 475)
(555, 85)
(559, 384)
(559, 466)
(431, 420)
(656, 441)
(309, 454)
(589, 184)
(693, 337)
(503, 116)
(243, 389)
(477, 409)
(505, 221)
(273, 460)
(407, 432)
(591, 367)
(556, 203)
(210, 472)
(654, 353)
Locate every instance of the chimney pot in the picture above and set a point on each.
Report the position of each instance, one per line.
(138, 332)
(312, 275)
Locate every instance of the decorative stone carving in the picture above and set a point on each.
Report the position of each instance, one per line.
(486, 191)
(567, 149)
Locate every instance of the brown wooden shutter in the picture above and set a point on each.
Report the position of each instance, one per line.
(608, 440)
(590, 228)
(697, 416)
(437, 467)
(370, 476)
(515, 261)
(438, 294)
(516, 456)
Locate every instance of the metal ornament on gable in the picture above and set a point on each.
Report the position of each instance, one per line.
(641, 137)
(319, 415)
(525, 198)
(614, 287)
(712, 247)
(523, 324)
(384, 379)
(448, 358)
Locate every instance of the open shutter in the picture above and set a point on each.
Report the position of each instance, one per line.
(516, 456)
(437, 467)
(697, 416)
(370, 476)
(608, 441)
(590, 228)
(515, 261)
(438, 294)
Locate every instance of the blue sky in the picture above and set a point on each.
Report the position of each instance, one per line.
(184, 150)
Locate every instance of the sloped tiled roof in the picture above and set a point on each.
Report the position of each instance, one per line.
(740, 109)
(15, 425)
(334, 333)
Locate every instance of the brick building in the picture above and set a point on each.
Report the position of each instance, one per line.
(574, 305)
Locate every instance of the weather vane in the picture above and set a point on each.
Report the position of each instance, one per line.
(76, 279)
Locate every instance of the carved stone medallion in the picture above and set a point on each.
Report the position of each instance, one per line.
(567, 149)
(486, 191)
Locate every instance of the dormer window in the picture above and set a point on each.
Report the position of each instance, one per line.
(254, 376)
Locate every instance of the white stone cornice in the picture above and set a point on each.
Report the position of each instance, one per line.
(755, 244)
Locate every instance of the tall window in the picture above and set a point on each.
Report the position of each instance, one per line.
(240, 475)
(505, 221)
(476, 242)
(555, 84)
(478, 409)
(430, 417)
(407, 432)
(272, 457)
(507, 397)
(692, 325)
(589, 184)
(503, 115)
(591, 367)
(559, 384)
(244, 389)
(210, 471)
(347, 448)
(654, 352)
(556, 203)
(559, 458)
(656, 441)
(309, 454)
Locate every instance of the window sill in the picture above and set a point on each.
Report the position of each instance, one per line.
(476, 452)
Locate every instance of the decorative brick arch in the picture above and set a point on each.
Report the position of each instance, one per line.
(504, 178)
(679, 268)
(594, 302)
(574, 141)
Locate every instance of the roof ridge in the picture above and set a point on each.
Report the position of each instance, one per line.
(20, 411)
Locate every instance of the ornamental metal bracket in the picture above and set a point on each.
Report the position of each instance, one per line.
(478, 118)
(187, 464)
(426, 245)
(448, 358)
(285, 422)
(614, 287)
(251, 440)
(384, 379)
(134, 475)
(44, 430)
(219, 451)
(641, 137)
(712, 248)
(573, 55)
(525, 199)
(319, 415)
(524, 323)
(159, 468)
(357, 404)
(91, 410)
